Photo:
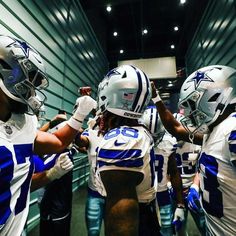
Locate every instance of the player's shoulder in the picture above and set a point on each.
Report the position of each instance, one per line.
(125, 137)
(229, 124)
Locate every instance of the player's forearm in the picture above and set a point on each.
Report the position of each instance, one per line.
(39, 180)
(176, 183)
(174, 127)
(175, 179)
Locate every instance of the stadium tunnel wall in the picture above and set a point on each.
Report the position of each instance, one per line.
(214, 41)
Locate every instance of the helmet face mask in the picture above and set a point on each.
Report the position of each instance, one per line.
(125, 91)
(22, 72)
(205, 94)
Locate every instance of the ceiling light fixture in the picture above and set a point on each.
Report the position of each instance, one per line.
(145, 31)
(115, 33)
(172, 46)
(108, 8)
(182, 1)
(176, 28)
(121, 51)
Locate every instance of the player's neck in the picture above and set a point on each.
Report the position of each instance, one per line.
(5, 111)
(4, 115)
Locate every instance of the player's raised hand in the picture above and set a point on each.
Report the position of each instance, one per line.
(62, 166)
(155, 94)
(85, 105)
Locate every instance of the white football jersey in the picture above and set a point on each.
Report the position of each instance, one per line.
(218, 178)
(162, 152)
(131, 149)
(94, 141)
(17, 137)
(186, 159)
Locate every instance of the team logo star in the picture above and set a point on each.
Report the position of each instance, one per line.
(24, 47)
(112, 72)
(199, 77)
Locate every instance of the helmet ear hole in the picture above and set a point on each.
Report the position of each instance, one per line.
(214, 97)
(103, 98)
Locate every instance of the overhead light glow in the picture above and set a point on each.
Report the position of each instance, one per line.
(121, 51)
(182, 1)
(172, 46)
(145, 31)
(115, 33)
(176, 28)
(108, 8)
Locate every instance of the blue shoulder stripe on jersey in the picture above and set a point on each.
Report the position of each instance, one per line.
(232, 135)
(123, 163)
(119, 154)
(232, 148)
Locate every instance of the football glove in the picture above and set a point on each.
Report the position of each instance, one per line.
(62, 166)
(193, 199)
(85, 105)
(178, 217)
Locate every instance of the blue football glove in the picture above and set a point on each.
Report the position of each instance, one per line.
(178, 218)
(171, 191)
(193, 199)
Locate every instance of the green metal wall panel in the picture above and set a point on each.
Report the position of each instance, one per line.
(61, 33)
(215, 39)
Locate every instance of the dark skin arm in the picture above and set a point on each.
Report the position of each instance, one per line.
(46, 143)
(175, 179)
(122, 209)
(172, 125)
(39, 180)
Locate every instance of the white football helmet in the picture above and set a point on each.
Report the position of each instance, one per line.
(206, 93)
(22, 72)
(152, 121)
(125, 91)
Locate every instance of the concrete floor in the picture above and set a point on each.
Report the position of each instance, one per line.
(78, 227)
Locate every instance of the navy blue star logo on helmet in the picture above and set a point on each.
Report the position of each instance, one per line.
(199, 77)
(24, 46)
(112, 72)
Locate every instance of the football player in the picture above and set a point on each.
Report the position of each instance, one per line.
(95, 204)
(208, 97)
(22, 73)
(125, 158)
(165, 166)
(186, 157)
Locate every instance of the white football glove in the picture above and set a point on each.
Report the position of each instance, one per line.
(85, 105)
(62, 166)
(178, 218)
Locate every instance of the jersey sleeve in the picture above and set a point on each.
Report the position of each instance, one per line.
(230, 132)
(48, 161)
(232, 146)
